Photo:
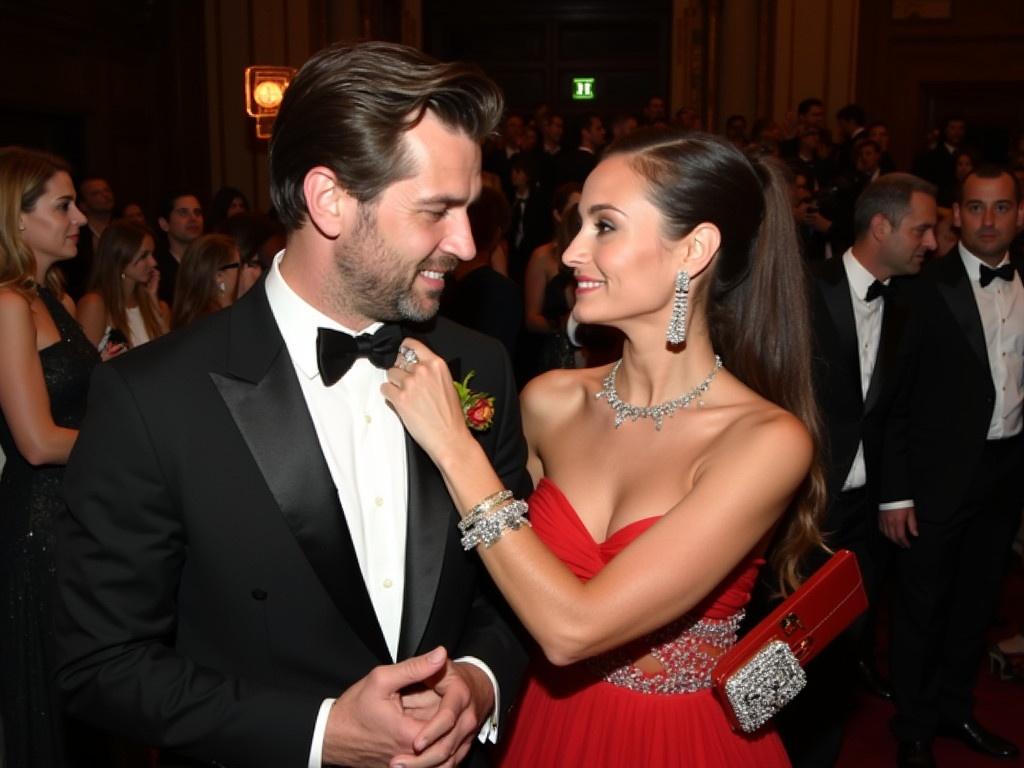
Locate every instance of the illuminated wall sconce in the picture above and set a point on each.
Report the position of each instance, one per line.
(264, 89)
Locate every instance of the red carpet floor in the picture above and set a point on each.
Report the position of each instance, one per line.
(999, 706)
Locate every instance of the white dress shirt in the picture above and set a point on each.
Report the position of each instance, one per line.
(867, 316)
(1001, 306)
(363, 443)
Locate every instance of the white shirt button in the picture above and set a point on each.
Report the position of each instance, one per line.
(368, 418)
(379, 501)
(388, 583)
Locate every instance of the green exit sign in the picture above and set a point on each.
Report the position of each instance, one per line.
(583, 88)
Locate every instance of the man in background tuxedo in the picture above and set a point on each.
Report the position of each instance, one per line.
(259, 567)
(857, 326)
(955, 449)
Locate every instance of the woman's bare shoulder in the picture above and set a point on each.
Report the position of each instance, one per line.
(765, 432)
(556, 394)
(14, 306)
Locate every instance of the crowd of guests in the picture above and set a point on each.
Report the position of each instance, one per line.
(83, 280)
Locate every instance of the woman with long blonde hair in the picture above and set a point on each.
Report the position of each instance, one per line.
(45, 363)
(122, 303)
(664, 479)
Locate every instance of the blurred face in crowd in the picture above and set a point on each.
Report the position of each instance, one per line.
(554, 127)
(594, 134)
(907, 244)
(185, 221)
(140, 268)
(513, 130)
(393, 264)
(989, 216)
(954, 133)
(809, 140)
(880, 135)
(964, 165)
(655, 109)
(134, 212)
(97, 196)
(868, 158)
(50, 229)
(249, 273)
(237, 207)
(814, 117)
(945, 235)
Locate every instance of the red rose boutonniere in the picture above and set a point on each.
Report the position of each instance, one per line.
(477, 407)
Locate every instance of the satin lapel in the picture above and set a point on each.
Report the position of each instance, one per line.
(893, 320)
(835, 290)
(955, 288)
(429, 524)
(270, 411)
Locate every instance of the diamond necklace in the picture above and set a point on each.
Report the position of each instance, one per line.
(658, 412)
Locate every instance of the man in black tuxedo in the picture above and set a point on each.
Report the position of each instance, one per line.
(956, 450)
(857, 326)
(259, 567)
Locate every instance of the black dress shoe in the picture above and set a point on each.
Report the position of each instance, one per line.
(873, 682)
(978, 739)
(915, 754)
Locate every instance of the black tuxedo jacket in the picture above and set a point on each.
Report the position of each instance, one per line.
(939, 424)
(850, 418)
(210, 594)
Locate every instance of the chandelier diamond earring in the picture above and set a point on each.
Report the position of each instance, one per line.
(676, 333)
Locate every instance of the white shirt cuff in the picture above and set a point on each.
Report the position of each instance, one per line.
(316, 749)
(488, 732)
(895, 505)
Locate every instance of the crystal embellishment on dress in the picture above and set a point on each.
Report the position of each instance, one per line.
(687, 650)
(764, 685)
(658, 412)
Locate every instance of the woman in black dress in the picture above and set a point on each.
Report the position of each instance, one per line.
(45, 362)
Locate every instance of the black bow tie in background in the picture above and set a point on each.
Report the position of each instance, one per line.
(877, 289)
(987, 275)
(336, 351)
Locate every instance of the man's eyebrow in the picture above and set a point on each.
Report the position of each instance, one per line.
(446, 200)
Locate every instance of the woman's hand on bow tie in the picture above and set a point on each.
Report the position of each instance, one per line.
(423, 396)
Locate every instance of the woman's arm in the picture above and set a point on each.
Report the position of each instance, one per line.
(23, 396)
(737, 496)
(92, 316)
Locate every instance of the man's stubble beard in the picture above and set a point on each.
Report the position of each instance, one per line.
(370, 281)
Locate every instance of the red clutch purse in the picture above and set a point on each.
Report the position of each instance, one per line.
(764, 671)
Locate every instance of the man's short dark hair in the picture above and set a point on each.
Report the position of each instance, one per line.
(888, 195)
(349, 108)
(990, 171)
(805, 106)
(167, 203)
(852, 113)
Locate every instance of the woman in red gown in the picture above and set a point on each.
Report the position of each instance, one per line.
(663, 477)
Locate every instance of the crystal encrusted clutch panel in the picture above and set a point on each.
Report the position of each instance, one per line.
(764, 685)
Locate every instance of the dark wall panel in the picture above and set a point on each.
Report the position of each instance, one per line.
(533, 49)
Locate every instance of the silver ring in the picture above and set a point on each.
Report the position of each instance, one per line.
(409, 355)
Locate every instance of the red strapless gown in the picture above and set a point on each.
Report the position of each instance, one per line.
(570, 716)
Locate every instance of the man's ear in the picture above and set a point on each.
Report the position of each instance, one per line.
(956, 215)
(881, 227)
(698, 248)
(330, 207)
(163, 223)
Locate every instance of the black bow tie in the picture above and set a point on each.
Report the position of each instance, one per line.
(877, 289)
(987, 275)
(336, 351)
